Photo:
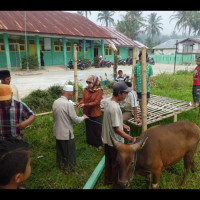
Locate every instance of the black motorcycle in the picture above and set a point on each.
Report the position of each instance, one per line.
(86, 64)
(121, 61)
(129, 61)
(70, 64)
(80, 65)
(151, 60)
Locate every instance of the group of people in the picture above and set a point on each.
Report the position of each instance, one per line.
(15, 116)
(97, 132)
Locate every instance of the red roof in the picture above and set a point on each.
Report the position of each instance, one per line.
(51, 23)
(120, 38)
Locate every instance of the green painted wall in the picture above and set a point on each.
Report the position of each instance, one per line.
(52, 58)
(169, 59)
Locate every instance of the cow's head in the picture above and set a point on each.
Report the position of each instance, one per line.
(126, 157)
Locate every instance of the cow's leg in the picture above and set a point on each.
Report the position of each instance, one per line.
(188, 163)
(148, 180)
(156, 178)
(193, 167)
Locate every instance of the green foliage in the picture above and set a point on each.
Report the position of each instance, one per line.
(42, 100)
(176, 86)
(32, 62)
(82, 58)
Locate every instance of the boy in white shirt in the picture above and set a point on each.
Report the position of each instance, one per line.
(129, 105)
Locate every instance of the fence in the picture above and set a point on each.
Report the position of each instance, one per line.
(180, 59)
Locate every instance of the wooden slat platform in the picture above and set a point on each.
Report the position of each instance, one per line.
(160, 108)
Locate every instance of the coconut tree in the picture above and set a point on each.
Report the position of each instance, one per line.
(131, 24)
(195, 22)
(106, 17)
(153, 25)
(86, 12)
(185, 19)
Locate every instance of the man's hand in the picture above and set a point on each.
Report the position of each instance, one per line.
(138, 120)
(127, 128)
(22, 125)
(85, 116)
(133, 139)
(81, 105)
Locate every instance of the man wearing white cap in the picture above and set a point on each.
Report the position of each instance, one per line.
(64, 116)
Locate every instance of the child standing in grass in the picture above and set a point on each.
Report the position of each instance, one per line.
(196, 83)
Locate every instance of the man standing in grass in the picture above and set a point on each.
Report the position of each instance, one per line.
(138, 79)
(113, 127)
(64, 116)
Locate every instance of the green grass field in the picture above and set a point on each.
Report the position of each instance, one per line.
(46, 175)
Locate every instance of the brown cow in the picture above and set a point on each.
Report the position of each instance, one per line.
(165, 145)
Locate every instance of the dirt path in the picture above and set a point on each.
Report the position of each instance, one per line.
(27, 81)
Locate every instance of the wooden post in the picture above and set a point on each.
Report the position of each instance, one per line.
(134, 62)
(175, 116)
(115, 60)
(144, 91)
(75, 77)
(115, 65)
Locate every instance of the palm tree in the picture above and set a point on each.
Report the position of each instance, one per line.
(131, 24)
(154, 25)
(195, 22)
(185, 19)
(86, 13)
(106, 17)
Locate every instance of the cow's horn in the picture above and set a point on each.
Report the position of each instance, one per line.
(115, 143)
(140, 144)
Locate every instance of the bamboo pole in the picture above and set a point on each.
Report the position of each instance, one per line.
(115, 65)
(75, 77)
(135, 52)
(144, 91)
(45, 113)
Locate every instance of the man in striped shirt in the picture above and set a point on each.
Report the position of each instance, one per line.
(15, 115)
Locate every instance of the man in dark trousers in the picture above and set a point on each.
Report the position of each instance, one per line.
(42, 58)
(113, 127)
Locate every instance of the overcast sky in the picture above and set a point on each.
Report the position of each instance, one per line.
(167, 27)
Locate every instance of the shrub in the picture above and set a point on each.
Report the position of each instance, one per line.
(32, 62)
(42, 100)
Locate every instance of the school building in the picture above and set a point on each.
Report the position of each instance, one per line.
(54, 33)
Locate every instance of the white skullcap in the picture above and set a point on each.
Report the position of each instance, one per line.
(68, 88)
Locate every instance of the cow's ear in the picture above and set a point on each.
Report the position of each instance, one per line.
(115, 143)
